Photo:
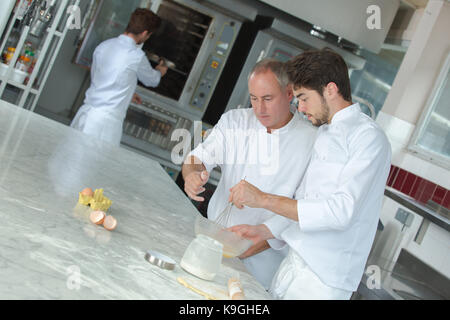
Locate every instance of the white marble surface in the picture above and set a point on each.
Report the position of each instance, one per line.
(45, 238)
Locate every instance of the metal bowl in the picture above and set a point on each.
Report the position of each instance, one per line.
(157, 59)
(169, 63)
(233, 245)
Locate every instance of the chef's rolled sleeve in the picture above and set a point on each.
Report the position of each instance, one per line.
(147, 75)
(277, 225)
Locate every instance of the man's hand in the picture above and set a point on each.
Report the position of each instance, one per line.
(255, 249)
(246, 194)
(193, 184)
(136, 99)
(161, 67)
(256, 234)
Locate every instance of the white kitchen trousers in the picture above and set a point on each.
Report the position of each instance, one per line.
(294, 280)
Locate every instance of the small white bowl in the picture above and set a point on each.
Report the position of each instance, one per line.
(19, 76)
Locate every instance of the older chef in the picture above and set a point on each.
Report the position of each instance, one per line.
(333, 219)
(268, 145)
(117, 65)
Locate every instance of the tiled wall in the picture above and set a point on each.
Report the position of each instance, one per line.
(434, 249)
(417, 187)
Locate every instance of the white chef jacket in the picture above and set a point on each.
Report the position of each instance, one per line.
(339, 199)
(117, 65)
(275, 163)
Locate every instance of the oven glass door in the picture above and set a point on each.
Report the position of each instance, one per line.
(110, 21)
(178, 41)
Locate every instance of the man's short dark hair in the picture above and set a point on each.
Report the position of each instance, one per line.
(315, 69)
(143, 20)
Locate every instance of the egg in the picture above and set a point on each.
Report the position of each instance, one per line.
(235, 289)
(110, 223)
(97, 217)
(87, 192)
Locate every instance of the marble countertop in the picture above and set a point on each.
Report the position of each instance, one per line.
(48, 247)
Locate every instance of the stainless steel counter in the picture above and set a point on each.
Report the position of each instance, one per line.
(418, 208)
(48, 247)
(408, 278)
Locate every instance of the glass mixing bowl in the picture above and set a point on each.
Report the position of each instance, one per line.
(233, 245)
(203, 257)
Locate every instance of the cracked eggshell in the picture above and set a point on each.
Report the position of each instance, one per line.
(110, 223)
(97, 217)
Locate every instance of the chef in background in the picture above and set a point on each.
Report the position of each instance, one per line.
(117, 65)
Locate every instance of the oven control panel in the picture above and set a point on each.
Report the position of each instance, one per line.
(207, 82)
(213, 67)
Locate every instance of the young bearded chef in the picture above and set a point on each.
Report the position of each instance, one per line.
(117, 65)
(331, 223)
(268, 145)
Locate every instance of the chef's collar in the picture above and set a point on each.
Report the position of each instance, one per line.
(127, 39)
(284, 129)
(346, 113)
(290, 124)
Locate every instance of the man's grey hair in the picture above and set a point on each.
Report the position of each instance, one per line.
(277, 67)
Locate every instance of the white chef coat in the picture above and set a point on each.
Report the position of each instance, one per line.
(117, 65)
(340, 198)
(235, 144)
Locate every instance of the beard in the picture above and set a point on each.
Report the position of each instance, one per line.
(324, 115)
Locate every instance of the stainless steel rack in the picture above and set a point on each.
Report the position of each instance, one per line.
(27, 95)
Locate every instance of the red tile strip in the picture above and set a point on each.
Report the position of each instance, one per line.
(446, 202)
(419, 188)
(438, 195)
(409, 183)
(393, 176)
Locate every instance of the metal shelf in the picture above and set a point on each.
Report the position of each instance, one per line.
(18, 85)
(45, 60)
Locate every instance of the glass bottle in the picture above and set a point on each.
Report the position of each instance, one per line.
(23, 63)
(9, 54)
(28, 47)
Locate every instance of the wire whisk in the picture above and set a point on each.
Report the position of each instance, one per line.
(224, 218)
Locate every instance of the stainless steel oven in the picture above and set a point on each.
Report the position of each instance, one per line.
(196, 37)
(281, 41)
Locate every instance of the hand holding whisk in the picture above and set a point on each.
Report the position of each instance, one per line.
(224, 218)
